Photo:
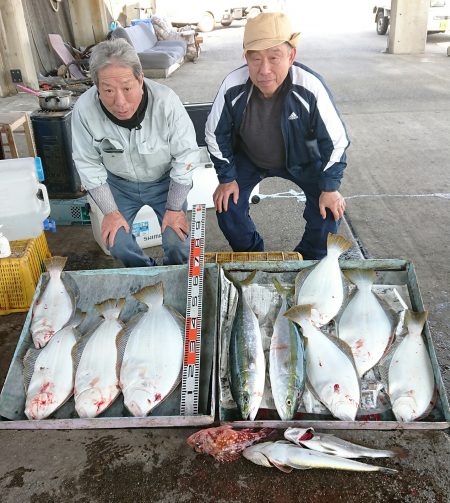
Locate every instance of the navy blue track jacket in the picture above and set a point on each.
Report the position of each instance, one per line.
(314, 135)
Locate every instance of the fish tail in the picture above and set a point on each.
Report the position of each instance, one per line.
(398, 452)
(110, 309)
(249, 279)
(54, 265)
(299, 313)
(337, 243)
(361, 277)
(280, 288)
(151, 295)
(383, 469)
(415, 321)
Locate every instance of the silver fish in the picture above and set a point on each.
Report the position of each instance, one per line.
(246, 357)
(286, 362)
(96, 362)
(329, 444)
(48, 373)
(322, 287)
(153, 356)
(364, 324)
(411, 385)
(286, 456)
(53, 309)
(330, 368)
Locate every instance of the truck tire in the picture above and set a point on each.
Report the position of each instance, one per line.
(206, 22)
(382, 23)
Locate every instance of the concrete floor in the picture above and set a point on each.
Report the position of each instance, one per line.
(397, 111)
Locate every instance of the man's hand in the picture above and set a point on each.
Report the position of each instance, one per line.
(222, 195)
(112, 222)
(178, 221)
(334, 201)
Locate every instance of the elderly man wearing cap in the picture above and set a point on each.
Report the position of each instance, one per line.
(275, 117)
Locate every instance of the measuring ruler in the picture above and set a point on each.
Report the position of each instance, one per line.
(190, 383)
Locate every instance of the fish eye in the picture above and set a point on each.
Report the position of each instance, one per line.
(288, 402)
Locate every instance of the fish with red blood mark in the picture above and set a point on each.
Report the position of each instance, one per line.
(96, 362)
(336, 383)
(225, 443)
(55, 306)
(286, 361)
(329, 444)
(153, 353)
(48, 373)
(321, 286)
(364, 324)
(411, 384)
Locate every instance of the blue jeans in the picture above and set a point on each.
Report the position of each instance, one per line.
(130, 197)
(240, 231)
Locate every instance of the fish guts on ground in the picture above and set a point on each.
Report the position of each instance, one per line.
(49, 375)
(224, 443)
(54, 307)
(330, 368)
(95, 356)
(153, 356)
(322, 287)
(364, 324)
(247, 363)
(286, 456)
(411, 385)
(286, 362)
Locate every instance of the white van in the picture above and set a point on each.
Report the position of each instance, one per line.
(438, 16)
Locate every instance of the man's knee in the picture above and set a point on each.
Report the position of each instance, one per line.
(123, 242)
(176, 251)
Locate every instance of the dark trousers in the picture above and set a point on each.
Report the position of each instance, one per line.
(240, 231)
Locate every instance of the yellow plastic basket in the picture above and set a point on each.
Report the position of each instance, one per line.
(221, 257)
(20, 273)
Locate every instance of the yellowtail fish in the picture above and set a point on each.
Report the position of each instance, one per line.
(322, 287)
(54, 307)
(247, 362)
(48, 373)
(286, 457)
(330, 368)
(153, 355)
(96, 362)
(286, 362)
(411, 384)
(329, 444)
(364, 325)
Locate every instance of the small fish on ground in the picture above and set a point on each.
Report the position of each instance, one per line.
(286, 456)
(329, 444)
(54, 307)
(224, 443)
(322, 287)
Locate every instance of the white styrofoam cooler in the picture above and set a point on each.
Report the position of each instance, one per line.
(146, 227)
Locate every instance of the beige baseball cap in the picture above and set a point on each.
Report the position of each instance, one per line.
(267, 30)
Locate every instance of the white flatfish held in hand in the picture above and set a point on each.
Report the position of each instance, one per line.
(364, 325)
(322, 286)
(54, 307)
(96, 362)
(153, 355)
(411, 383)
(330, 368)
(48, 373)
